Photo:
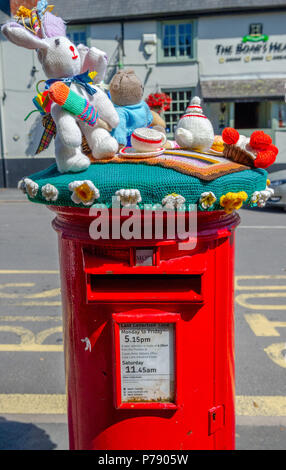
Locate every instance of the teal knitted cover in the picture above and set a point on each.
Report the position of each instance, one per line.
(153, 184)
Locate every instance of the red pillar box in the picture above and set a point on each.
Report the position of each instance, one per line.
(148, 323)
(148, 337)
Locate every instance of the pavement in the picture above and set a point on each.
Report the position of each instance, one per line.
(32, 392)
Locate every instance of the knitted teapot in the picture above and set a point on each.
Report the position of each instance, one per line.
(194, 131)
(63, 62)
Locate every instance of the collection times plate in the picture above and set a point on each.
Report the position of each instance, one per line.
(147, 362)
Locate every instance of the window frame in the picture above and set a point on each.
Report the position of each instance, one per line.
(177, 58)
(253, 26)
(71, 29)
(170, 90)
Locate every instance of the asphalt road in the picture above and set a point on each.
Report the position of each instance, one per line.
(31, 340)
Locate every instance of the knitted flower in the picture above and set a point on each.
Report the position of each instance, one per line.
(207, 199)
(23, 11)
(21, 185)
(233, 201)
(50, 192)
(128, 197)
(84, 192)
(31, 187)
(173, 201)
(260, 198)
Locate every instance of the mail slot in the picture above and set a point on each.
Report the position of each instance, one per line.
(144, 287)
(148, 334)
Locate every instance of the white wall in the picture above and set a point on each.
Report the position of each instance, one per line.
(280, 141)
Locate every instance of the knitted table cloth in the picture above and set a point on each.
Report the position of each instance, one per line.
(205, 166)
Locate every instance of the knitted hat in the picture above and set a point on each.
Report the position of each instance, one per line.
(40, 21)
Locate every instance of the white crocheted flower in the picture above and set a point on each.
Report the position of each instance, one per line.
(31, 187)
(173, 201)
(128, 197)
(207, 199)
(50, 192)
(261, 197)
(21, 186)
(83, 192)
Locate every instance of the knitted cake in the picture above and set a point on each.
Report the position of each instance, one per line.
(254, 151)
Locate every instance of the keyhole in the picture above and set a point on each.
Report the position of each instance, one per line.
(214, 416)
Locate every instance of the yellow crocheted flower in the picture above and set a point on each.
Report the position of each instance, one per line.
(233, 201)
(83, 192)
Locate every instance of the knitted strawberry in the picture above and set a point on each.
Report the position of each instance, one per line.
(266, 151)
(267, 157)
(230, 136)
(259, 140)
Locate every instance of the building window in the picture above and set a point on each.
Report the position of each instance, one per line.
(77, 34)
(281, 114)
(176, 41)
(252, 115)
(179, 103)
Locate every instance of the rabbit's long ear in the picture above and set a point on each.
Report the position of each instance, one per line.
(83, 50)
(20, 36)
(93, 59)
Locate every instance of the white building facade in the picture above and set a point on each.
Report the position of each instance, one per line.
(235, 60)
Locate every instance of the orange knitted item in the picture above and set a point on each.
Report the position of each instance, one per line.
(58, 93)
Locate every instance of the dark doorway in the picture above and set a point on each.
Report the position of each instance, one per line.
(246, 115)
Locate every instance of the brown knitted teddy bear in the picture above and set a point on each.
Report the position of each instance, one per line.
(126, 92)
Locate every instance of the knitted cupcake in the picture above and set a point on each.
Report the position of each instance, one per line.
(256, 151)
(194, 130)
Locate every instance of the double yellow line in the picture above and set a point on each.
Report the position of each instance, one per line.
(48, 404)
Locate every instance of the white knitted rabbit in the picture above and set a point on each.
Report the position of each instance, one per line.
(61, 59)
